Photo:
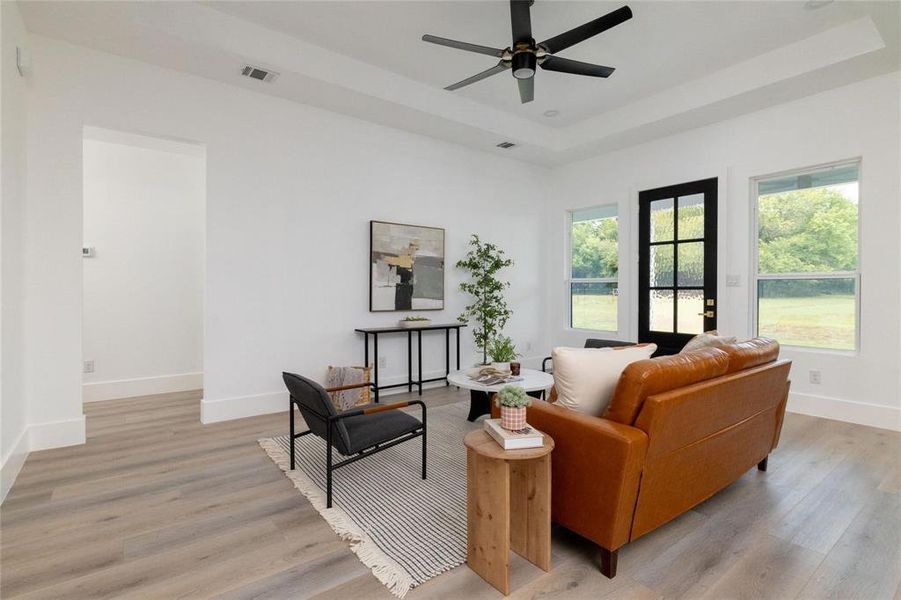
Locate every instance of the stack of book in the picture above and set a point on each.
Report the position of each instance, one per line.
(528, 437)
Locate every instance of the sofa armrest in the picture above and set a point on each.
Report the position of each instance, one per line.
(596, 472)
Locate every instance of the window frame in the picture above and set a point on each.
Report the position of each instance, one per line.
(569, 279)
(756, 276)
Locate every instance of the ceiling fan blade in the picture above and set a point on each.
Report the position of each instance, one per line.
(566, 65)
(526, 89)
(590, 29)
(501, 66)
(434, 39)
(521, 21)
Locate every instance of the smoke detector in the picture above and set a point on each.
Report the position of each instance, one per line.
(259, 73)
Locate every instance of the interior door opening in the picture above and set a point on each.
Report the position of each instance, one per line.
(143, 266)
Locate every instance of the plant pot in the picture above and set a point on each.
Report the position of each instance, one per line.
(414, 324)
(501, 366)
(513, 418)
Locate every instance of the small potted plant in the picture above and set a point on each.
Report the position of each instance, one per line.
(413, 322)
(512, 401)
(502, 351)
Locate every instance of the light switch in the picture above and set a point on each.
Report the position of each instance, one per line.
(733, 280)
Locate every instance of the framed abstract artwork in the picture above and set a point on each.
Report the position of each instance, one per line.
(406, 267)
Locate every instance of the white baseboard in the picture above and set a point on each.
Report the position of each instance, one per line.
(39, 436)
(141, 386)
(56, 434)
(12, 464)
(861, 413)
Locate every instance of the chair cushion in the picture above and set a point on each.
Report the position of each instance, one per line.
(751, 353)
(645, 378)
(366, 431)
(584, 378)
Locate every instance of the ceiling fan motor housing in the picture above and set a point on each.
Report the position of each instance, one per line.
(524, 63)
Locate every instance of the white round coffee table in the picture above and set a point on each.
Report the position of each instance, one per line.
(532, 381)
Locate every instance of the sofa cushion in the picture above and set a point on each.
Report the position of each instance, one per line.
(584, 378)
(751, 353)
(645, 378)
(708, 339)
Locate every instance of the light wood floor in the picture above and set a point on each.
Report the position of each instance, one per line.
(156, 505)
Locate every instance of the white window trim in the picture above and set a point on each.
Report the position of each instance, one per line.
(756, 277)
(569, 279)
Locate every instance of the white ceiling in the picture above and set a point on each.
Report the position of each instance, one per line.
(679, 64)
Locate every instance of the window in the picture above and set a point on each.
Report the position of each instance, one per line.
(593, 268)
(807, 276)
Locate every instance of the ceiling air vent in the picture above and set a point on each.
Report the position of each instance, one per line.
(506, 145)
(258, 73)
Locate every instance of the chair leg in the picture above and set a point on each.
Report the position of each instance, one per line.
(761, 466)
(328, 468)
(608, 562)
(291, 429)
(423, 452)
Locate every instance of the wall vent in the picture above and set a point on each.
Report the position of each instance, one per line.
(506, 145)
(258, 73)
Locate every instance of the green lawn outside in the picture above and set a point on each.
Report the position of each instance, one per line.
(825, 321)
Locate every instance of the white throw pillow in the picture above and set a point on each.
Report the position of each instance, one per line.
(586, 378)
(708, 339)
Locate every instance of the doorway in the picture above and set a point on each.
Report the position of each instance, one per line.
(677, 231)
(143, 265)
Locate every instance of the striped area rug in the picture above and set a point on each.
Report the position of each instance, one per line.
(404, 529)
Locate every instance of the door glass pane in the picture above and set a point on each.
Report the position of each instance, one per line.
(691, 217)
(594, 306)
(691, 305)
(662, 266)
(662, 220)
(661, 307)
(817, 313)
(691, 264)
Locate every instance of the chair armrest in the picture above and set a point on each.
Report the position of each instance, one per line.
(352, 386)
(371, 409)
(597, 468)
(544, 363)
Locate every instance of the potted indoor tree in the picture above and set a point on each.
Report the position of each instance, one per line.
(512, 401)
(488, 313)
(502, 351)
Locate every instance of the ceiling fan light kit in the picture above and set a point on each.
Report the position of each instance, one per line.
(524, 55)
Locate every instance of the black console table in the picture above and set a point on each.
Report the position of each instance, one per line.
(375, 332)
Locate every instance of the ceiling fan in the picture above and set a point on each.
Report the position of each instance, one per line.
(524, 54)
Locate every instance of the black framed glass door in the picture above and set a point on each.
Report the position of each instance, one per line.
(677, 263)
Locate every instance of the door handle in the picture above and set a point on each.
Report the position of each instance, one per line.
(709, 314)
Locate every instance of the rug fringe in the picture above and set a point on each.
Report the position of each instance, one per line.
(386, 570)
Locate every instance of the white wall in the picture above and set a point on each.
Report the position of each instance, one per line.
(861, 120)
(13, 417)
(290, 192)
(143, 288)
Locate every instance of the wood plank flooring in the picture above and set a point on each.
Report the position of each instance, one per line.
(156, 505)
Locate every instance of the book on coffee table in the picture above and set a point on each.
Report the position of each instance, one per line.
(528, 437)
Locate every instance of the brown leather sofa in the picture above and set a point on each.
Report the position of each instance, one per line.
(678, 429)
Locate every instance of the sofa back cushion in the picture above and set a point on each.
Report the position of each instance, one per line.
(584, 378)
(751, 353)
(657, 375)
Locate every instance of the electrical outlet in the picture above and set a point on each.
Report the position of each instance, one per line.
(383, 362)
(528, 346)
(733, 280)
(88, 366)
(815, 376)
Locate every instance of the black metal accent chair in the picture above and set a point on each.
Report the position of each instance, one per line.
(356, 433)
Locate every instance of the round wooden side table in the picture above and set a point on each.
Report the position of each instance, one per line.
(504, 487)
